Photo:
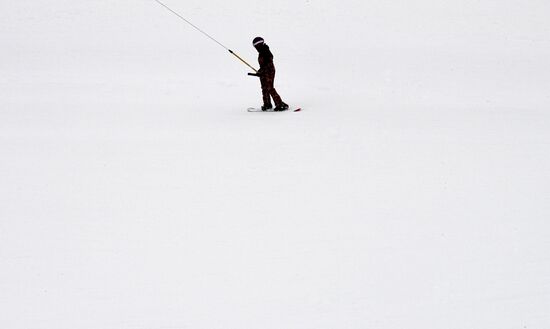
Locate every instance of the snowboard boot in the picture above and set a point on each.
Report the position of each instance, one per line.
(267, 107)
(281, 107)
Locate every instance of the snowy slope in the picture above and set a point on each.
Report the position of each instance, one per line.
(412, 192)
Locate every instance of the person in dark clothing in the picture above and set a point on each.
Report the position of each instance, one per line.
(266, 73)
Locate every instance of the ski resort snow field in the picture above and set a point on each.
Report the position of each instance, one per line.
(412, 190)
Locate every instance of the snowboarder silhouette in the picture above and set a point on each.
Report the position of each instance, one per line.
(266, 73)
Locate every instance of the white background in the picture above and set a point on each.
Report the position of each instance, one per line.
(413, 190)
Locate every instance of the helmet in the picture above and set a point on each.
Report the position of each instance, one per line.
(258, 41)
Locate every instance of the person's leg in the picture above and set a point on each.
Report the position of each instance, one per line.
(270, 80)
(266, 92)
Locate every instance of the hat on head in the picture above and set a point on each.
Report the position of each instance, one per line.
(258, 41)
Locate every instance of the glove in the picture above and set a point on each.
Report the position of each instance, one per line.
(254, 74)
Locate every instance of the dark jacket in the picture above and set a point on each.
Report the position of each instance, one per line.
(265, 59)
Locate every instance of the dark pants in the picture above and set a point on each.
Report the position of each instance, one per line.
(268, 91)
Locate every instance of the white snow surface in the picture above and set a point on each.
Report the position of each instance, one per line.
(413, 190)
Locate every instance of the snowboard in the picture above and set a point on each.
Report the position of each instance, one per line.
(290, 109)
